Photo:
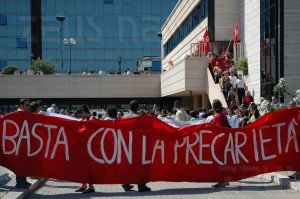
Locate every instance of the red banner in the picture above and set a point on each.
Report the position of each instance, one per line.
(146, 149)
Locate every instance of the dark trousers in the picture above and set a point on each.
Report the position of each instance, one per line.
(20, 180)
(139, 185)
(241, 94)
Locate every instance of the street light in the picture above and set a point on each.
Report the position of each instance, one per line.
(61, 18)
(70, 42)
(119, 62)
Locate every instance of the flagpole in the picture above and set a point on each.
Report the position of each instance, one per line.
(229, 44)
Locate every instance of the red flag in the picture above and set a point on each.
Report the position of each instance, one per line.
(236, 33)
(206, 42)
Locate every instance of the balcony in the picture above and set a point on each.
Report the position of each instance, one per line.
(187, 77)
(79, 86)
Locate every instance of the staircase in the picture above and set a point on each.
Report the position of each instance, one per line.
(214, 90)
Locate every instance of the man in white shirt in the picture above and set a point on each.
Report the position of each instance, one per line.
(180, 115)
(52, 108)
(233, 119)
(233, 79)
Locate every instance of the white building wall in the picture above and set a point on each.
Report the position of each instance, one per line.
(250, 35)
(184, 7)
(227, 13)
(292, 43)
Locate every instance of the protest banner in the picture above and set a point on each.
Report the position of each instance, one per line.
(146, 149)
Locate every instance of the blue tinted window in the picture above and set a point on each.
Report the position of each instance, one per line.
(103, 30)
(21, 43)
(3, 63)
(156, 65)
(108, 1)
(3, 20)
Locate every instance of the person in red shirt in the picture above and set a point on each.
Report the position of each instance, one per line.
(220, 119)
(248, 99)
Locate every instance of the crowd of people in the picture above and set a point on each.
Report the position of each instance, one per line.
(86, 72)
(232, 117)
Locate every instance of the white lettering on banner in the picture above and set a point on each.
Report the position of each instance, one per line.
(189, 149)
(213, 148)
(24, 130)
(238, 146)
(51, 141)
(64, 141)
(176, 146)
(159, 145)
(202, 145)
(262, 142)
(292, 136)
(89, 146)
(115, 144)
(10, 138)
(229, 148)
(26, 135)
(49, 127)
(38, 137)
(255, 147)
(278, 127)
(118, 141)
(127, 149)
(144, 151)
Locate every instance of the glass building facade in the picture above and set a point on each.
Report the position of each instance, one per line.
(15, 33)
(271, 45)
(105, 30)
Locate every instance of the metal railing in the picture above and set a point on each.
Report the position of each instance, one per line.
(238, 51)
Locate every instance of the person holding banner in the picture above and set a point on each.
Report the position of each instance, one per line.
(84, 114)
(134, 107)
(21, 182)
(220, 119)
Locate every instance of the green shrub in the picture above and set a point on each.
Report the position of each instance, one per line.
(242, 65)
(43, 64)
(10, 70)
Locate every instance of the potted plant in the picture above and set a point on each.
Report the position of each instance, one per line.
(43, 65)
(10, 70)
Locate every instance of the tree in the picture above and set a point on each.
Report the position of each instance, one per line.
(43, 64)
(242, 65)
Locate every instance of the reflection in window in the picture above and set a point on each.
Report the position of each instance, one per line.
(21, 43)
(269, 47)
(3, 63)
(108, 1)
(3, 20)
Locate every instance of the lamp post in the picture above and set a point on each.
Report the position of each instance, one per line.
(70, 42)
(119, 62)
(61, 18)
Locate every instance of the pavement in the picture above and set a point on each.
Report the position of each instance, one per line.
(257, 188)
(275, 185)
(8, 182)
